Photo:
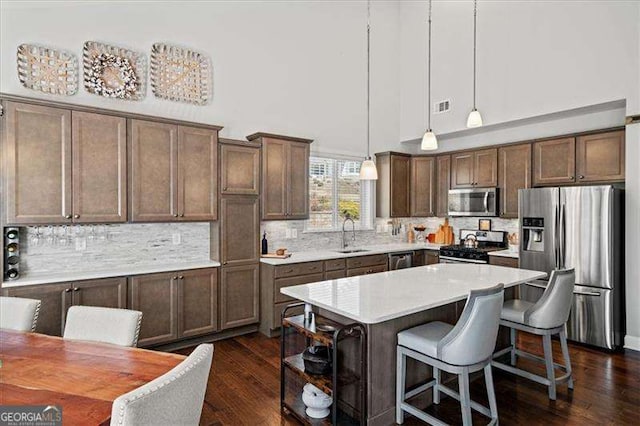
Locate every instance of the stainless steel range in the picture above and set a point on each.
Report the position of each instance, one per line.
(487, 241)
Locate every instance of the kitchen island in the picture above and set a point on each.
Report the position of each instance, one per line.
(388, 302)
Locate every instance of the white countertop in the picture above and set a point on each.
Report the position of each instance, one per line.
(375, 298)
(311, 256)
(32, 279)
(505, 253)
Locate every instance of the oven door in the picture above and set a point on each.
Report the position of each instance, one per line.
(473, 202)
(447, 259)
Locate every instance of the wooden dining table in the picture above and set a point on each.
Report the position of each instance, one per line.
(84, 378)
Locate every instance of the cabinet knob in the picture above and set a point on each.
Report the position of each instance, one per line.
(225, 188)
(573, 178)
(182, 215)
(67, 290)
(580, 177)
(68, 216)
(225, 262)
(76, 216)
(175, 277)
(181, 277)
(76, 289)
(175, 215)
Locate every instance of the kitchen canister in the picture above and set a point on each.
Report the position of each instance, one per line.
(316, 401)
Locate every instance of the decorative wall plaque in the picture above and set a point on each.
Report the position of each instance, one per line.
(180, 74)
(113, 72)
(47, 70)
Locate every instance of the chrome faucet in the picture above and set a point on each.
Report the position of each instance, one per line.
(347, 217)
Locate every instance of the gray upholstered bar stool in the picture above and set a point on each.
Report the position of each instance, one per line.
(545, 318)
(461, 349)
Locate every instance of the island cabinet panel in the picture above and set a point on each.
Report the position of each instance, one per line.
(239, 296)
(393, 188)
(37, 153)
(197, 302)
(554, 161)
(443, 169)
(99, 147)
(156, 296)
(239, 230)
(55, 299)
(239, 170)
(601, 157)
(423, 186)
(514, 173)
(153, 171)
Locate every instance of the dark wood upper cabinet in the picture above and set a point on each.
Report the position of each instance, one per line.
(99, 147)
(474, 169)
(197, 174)
(173, 172)
(37, 152)
(197, 302)
(514, 173)
(239, 230)
(554, 161)
(239, 169)
(443, 169)
(393, 187)
(600, 157)
(423, 186)
(156, 296)
(285, 176)
(239, 296)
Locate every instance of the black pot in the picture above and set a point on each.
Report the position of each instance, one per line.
(317, 360)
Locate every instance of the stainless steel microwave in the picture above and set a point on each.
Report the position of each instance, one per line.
(473, 202)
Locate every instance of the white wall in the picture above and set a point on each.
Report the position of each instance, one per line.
(296, 68)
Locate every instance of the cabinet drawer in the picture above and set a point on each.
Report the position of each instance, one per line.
(366, 270)
(286, 282)
(298, 269)
(362, 261)
(334, 275)
(509, 262)
(334, 264)
(277, 313)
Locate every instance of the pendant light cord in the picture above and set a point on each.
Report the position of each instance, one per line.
(368, 76)
(475, 14)
(429, 76)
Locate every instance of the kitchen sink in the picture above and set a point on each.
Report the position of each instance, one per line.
(351, 251)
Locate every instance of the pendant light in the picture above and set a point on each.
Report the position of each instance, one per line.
(475, 119)
(429, 140)
(368, 170)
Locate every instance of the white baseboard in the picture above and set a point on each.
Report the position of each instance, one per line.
(632, 342)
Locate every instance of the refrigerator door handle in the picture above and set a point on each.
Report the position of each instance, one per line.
(555, 238)
(563, 237)
(587, 293)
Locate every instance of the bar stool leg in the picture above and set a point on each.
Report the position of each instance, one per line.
(514, 334)
(491, 394)
(548, 359)
(401, 370)
(436, 388)
(465, 397)
(565, 355)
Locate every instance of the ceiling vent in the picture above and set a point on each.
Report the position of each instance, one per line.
(442, 106)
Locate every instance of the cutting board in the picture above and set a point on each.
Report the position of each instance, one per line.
(448, 232)
(277, 256)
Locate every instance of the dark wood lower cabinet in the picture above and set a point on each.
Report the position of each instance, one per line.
(197, 302)
(239, 294)
(156, 296)
(509, 262)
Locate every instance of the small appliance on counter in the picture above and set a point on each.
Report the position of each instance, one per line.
(11, 253)
(474, 246)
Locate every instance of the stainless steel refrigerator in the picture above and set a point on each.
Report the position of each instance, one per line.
(578, 227)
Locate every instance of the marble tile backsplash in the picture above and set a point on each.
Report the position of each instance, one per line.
(81, 248)
(277, 232)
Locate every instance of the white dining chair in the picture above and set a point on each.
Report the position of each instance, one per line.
(545, 318)
(175, 398)
(461, 349)
(107, 325)
(18, 313)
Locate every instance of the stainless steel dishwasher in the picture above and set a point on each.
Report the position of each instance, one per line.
(400, 260)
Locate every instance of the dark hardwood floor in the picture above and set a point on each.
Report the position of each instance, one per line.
(244, 388)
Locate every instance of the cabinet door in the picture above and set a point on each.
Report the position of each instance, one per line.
(107, 293)
(240, 170)
(554, 161)
(514, 173)
(600, 157)
(298, 185)
(485, 168)
(239, 230)
(153, 168)
(197, 174)
(400, 186)
(197, 302)
(462, 170)
(423, 173)
(156, 296)
(55, 299)
(239, 292)
(274, 179)
(431, 257)
(37, 150)
(99, 147)
(443, 168)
